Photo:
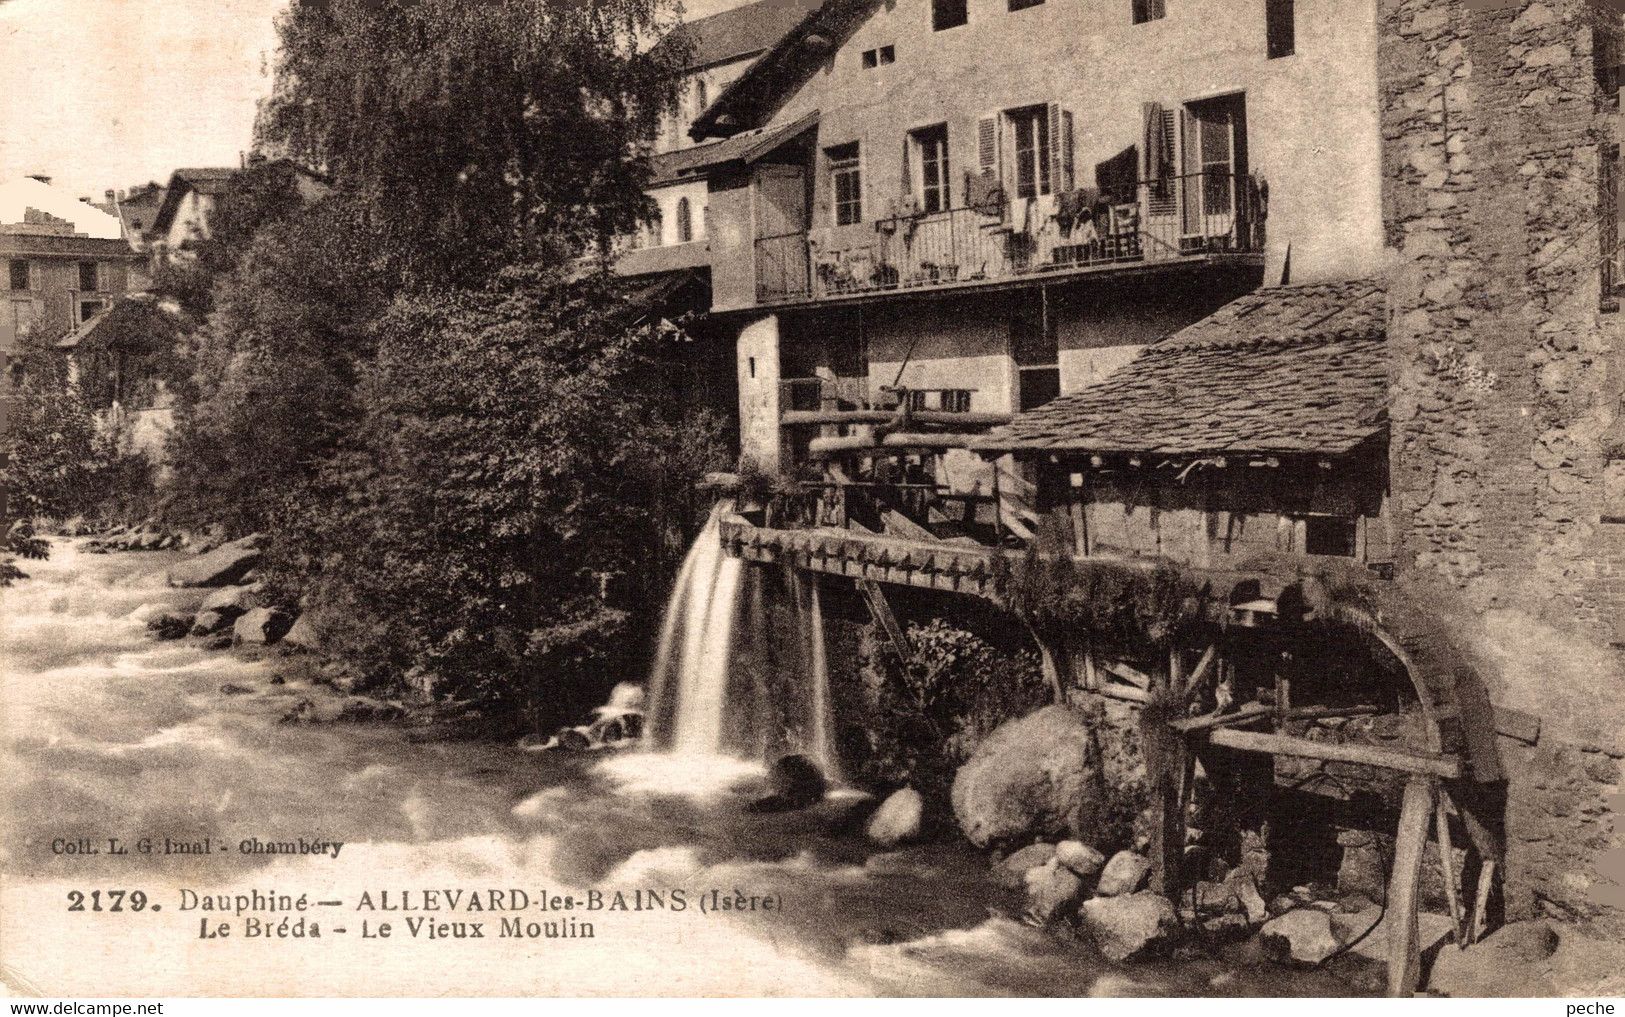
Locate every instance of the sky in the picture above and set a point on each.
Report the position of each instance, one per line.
(103, 94)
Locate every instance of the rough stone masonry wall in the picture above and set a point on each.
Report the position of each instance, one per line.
(1505, 378)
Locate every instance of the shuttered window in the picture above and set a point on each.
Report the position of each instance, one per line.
(1030, 129)
(931, 145)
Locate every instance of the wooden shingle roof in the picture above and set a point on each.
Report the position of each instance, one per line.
(1287, 370)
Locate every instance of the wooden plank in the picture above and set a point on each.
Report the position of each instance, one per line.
(1168, 795)
(1404, 954)
(1136, 678)
(1254, 741)
(1525, 727)
(1481, 905)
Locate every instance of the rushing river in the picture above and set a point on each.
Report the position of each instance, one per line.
(108, 733)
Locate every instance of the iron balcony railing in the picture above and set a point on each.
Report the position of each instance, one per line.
(1170, 219)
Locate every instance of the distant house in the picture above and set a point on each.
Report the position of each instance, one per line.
(64, 260)
(182, 217)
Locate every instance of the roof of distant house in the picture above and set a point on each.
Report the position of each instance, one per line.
(1283, 370)
(734, 34)
(750, 146)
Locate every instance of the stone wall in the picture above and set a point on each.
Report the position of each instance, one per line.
(1506, 381)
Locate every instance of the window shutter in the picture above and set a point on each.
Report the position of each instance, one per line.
(987, 144)
(1060, 154)
(905, 188)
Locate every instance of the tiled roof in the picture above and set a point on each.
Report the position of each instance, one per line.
(1289, 369)
(208, 179)
(741, 32)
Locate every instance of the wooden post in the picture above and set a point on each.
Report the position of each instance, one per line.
(1404, 947)
(1486, 878)
(1168, 838)
(881, 610)
(1447, 864)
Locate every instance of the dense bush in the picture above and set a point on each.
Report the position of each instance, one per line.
(508, 493)
(954, 691)
(61, 460)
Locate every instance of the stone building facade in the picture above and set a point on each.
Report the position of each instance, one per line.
(1500, 146)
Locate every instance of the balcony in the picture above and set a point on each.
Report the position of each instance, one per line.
(1173, 220)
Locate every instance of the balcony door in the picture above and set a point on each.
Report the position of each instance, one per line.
(781, 200)
(1213, 153)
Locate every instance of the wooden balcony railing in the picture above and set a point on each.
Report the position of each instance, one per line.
(1170, 219)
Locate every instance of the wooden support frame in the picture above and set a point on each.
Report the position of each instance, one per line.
(1404, 938)
(880, 610)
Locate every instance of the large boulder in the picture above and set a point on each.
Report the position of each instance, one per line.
(1036, 776)
(898, 818)
(1123, 874)
(1304, 936)
(1123, 927)
(263, 625)
(221, 567)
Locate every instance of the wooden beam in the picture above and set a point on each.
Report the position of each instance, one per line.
(1207, 722)
(1448, 767)
(1404, 940)
(1525, 727)
(880, 610)
(1447, 863)
(1481, 905)
(1200, 672)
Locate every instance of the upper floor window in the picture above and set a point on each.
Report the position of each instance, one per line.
(930, 154)
(1021, 5)
(700, 98)
(19, 274)
(846, 183)
(88, 276)
(1149, 10)
(88, 309)
(949, 14)
(1031, 129)
(1280, 28)
(685, 221)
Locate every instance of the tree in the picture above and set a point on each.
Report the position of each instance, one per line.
(517, 451)
(477, 133)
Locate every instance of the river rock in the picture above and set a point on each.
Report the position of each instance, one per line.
(1246, 891)
(1123, 927)
(302, 634)
(232, 600)
(796, 782)
(223, 566)
(1361, 870)
(1303, 936)
(1039, 775)
(1123, 874)
(1053, 891)
(1348, 927)
(1080, 858)
(170, 625)
(207, 623)
(898, 818)
(261, 625)
(1011, 872)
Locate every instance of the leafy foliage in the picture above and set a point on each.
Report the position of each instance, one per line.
(477, 133)
(60, 461)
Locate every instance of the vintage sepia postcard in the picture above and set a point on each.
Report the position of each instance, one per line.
(529, 498)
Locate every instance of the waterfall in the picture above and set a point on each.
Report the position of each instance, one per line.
(822, 736)
(741, 667)
(690, 678)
